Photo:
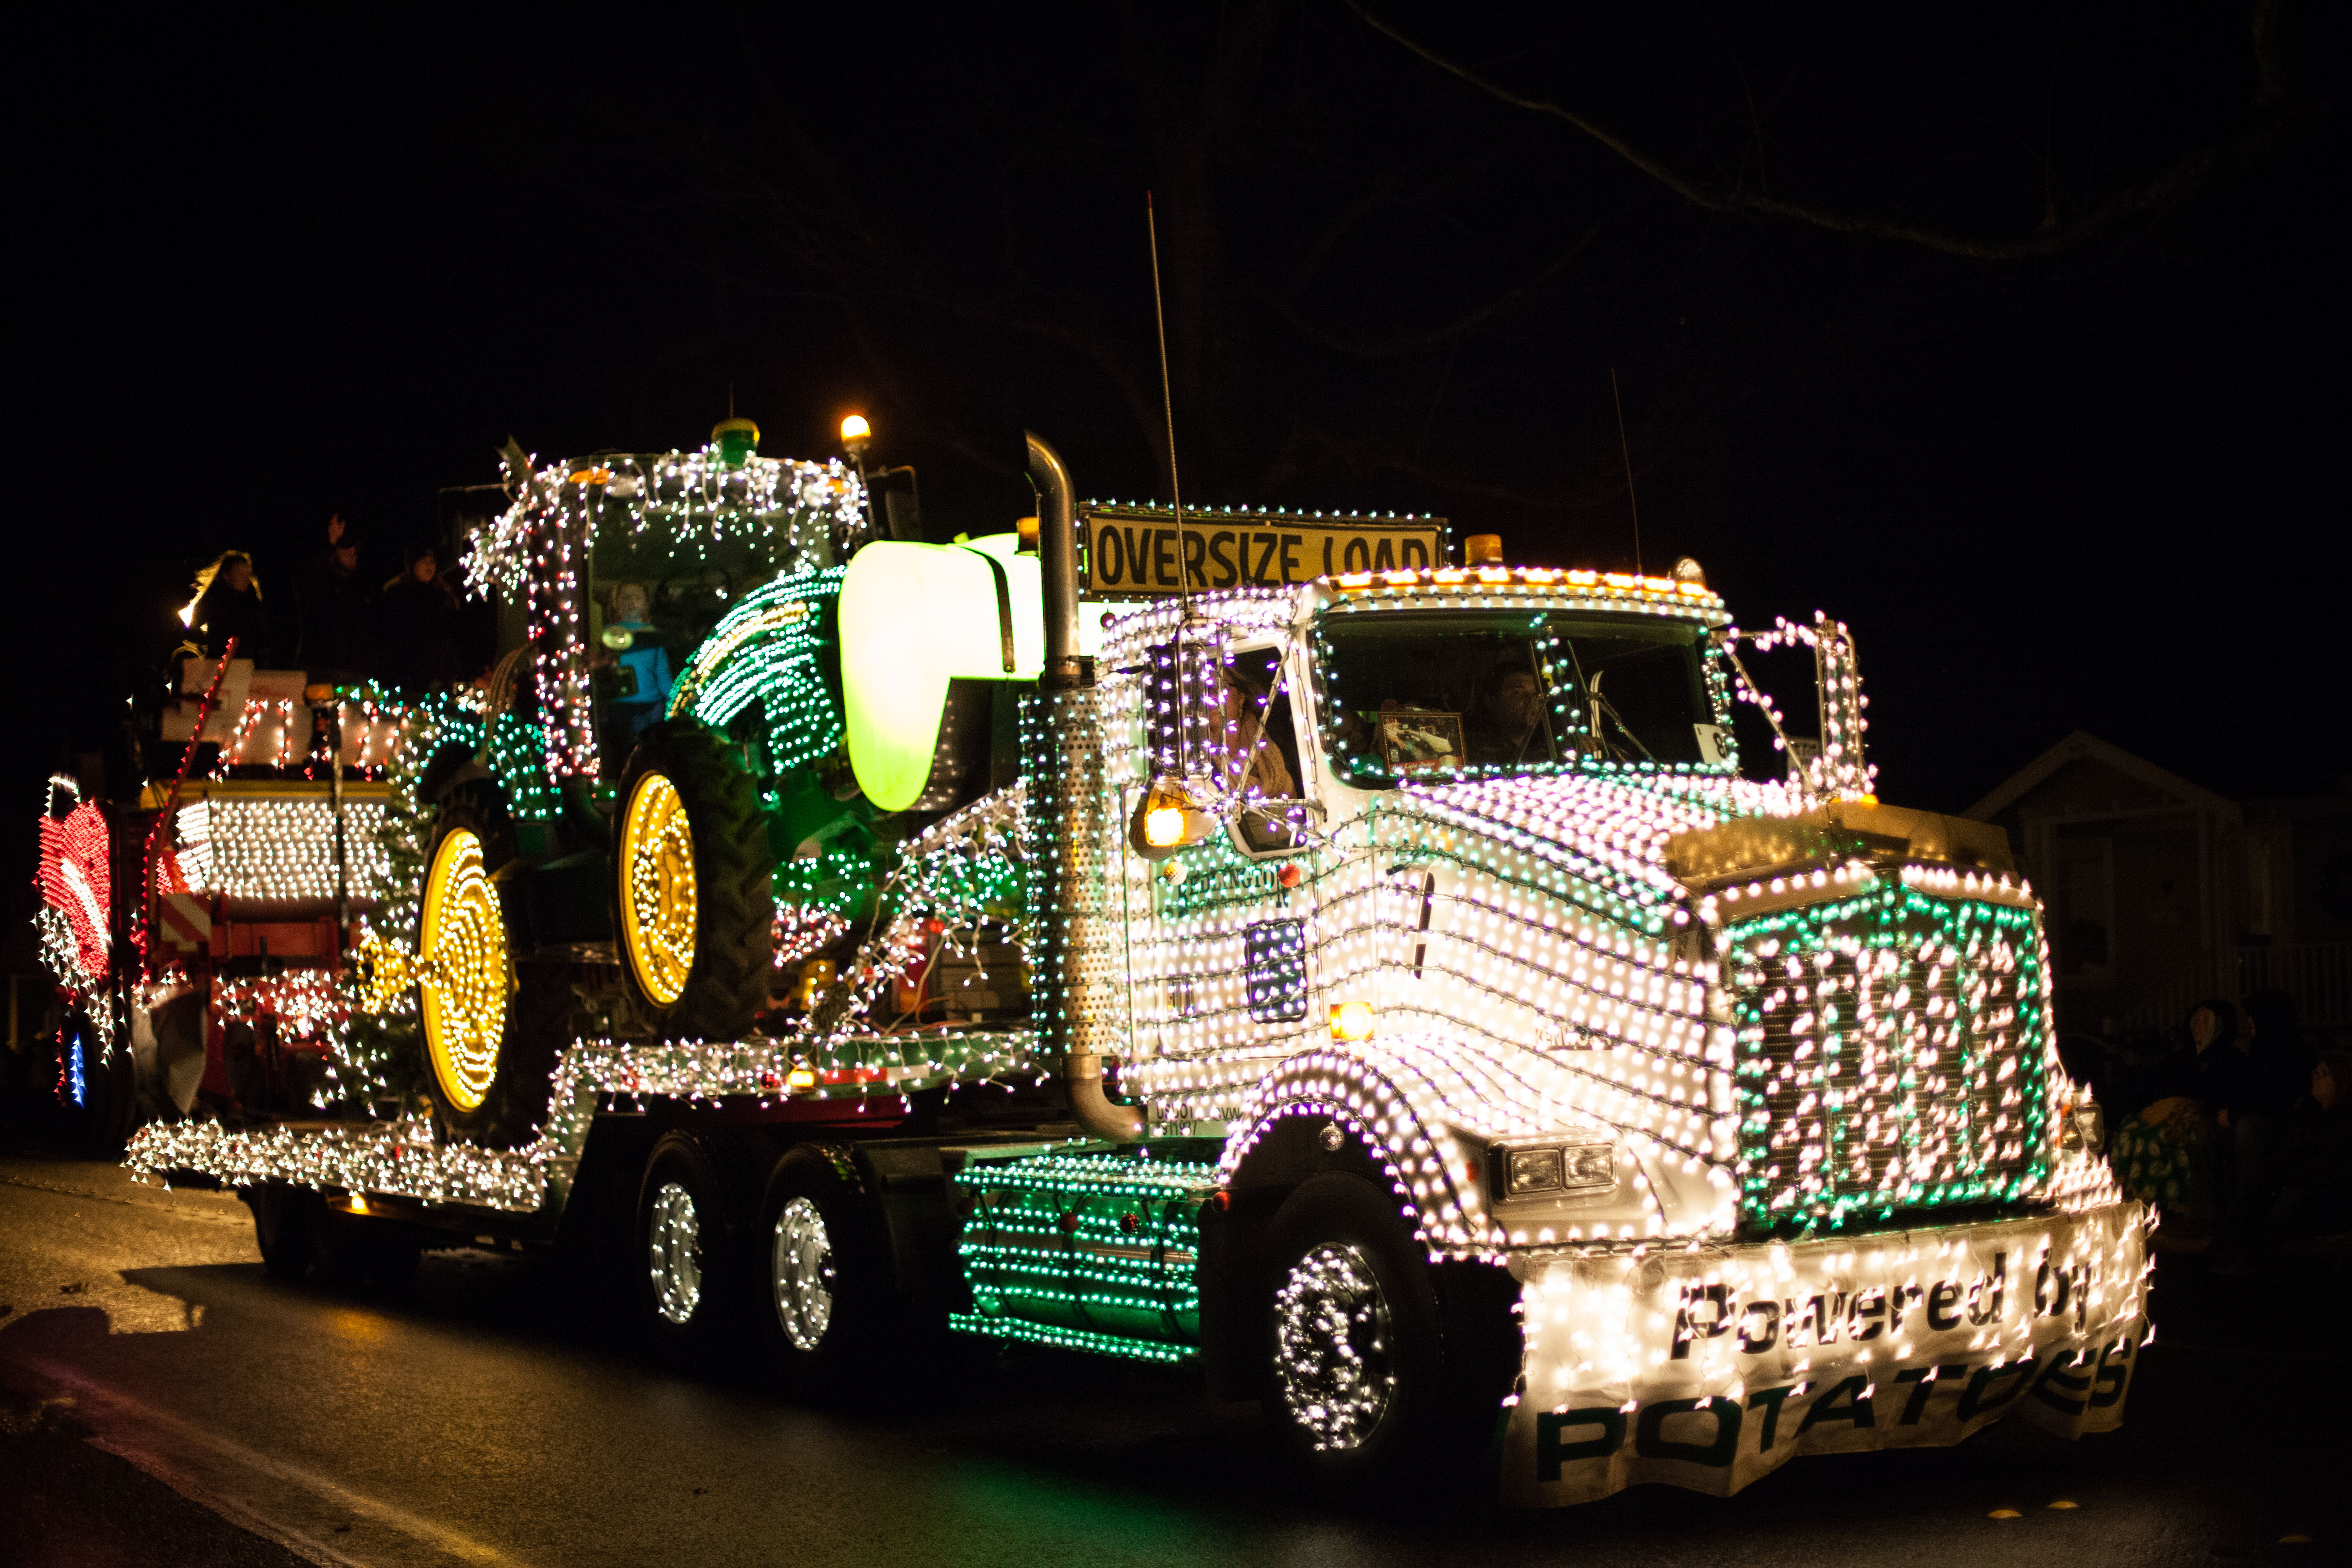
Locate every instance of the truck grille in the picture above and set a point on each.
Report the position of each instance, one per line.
(1891, 1052)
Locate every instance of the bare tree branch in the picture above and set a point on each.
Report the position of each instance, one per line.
(2279, 115)
(1369, 348)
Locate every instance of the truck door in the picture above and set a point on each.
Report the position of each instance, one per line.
(1219, 933)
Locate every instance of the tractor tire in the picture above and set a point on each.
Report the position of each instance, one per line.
(489, 1088)
(693, 885)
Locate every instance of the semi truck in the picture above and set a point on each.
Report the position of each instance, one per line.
(1286, 942)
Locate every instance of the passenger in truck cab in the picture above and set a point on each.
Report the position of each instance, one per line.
(1260, 745)
(1510, 728)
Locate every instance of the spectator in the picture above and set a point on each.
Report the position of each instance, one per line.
(2314, 1165)
(2272, 1071)
(228, 605)
(338, 613)
(418, 627)
(2160, 1138)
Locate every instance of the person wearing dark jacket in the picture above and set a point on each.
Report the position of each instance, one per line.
(2161, 1148)
(2270, 1073)
(228, 605)
(2314, 1165)
(418, 627)
(337, 612)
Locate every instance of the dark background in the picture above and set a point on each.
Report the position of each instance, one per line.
(275, 269)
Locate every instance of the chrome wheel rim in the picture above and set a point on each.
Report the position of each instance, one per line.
(802, 1270)
(1333, 1360)
(674, 1250)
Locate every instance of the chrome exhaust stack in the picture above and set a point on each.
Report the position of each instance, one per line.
(1074, 980)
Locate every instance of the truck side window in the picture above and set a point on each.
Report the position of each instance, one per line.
(1261, 744)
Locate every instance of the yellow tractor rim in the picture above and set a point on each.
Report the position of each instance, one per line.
(657, 894)
(462, 972)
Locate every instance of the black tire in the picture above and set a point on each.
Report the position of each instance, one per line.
(827, 1300)
(690, 1253)
(302, 1238)
(290, 1224)
(539, 1002)
(734, 878)
(1339, 1252)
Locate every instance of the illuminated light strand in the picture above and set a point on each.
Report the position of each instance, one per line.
(1060, 1249)
(539, 549)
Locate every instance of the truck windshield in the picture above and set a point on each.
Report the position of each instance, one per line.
(1470, 695)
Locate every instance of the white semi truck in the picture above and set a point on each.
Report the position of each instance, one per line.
(1251, 938)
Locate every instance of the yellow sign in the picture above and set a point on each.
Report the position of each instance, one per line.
(1137, 550)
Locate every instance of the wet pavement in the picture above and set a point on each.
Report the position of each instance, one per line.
(162, 1400)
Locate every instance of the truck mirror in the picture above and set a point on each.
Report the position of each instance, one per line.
(1168, 819)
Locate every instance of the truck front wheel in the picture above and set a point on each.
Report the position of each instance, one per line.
(1352, 1325)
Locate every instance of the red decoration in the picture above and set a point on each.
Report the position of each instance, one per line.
(76, 881)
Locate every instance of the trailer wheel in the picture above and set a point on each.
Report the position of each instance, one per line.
(1353, 1326)
(694, 896)
(302, 1238)
(686, 1248)
(827, 1300)
(289, 1225)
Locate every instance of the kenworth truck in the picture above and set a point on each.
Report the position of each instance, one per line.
(1251, 938)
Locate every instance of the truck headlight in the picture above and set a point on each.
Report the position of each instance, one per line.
(1557, 1168)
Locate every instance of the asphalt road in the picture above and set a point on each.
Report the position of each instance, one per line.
(162, 1400)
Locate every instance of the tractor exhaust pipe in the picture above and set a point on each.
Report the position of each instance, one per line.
(1077, 997)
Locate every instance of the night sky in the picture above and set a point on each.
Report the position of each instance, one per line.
(274, 271)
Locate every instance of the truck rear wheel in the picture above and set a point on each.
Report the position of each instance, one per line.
(1352, 1325)
(694, 896)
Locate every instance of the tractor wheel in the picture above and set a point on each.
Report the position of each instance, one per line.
(491, 1028)
(693, 895)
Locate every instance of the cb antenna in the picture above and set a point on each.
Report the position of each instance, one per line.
(1168, 402)
(1626, 447)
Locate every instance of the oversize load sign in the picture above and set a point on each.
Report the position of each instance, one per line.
(1710, 1371)
(1139, 550)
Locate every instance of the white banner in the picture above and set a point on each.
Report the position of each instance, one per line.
(1708, 1369)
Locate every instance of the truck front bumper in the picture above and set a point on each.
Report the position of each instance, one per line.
(1709, 1368)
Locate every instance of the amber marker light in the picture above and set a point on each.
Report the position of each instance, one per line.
(1351, 1021)
(855, 434)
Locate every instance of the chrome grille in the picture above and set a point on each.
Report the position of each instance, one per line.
(1891, 1057)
